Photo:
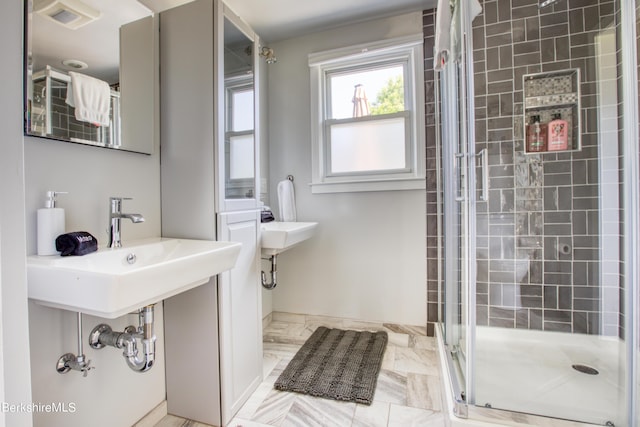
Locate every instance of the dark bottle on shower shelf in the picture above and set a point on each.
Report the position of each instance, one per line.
(536, 135)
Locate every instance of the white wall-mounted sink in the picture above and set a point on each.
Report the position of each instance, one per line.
(114, 281)
(279, 236)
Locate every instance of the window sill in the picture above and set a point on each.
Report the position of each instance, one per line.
(373, 185)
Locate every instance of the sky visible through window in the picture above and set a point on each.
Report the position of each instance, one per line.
(343, 85)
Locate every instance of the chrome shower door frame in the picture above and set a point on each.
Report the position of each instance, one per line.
(459, 173)
(631, 214)
(459, 166)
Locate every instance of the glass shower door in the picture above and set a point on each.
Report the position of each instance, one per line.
(455, 224)
(458, 164)
(551, 329)
(541, 249)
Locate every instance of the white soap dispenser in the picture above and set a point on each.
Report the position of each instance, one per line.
(50, 224)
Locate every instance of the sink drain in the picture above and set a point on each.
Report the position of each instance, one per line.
(585, 369)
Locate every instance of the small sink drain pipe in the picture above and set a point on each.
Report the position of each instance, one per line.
(70, 361)
(102, 336)
(274, 272)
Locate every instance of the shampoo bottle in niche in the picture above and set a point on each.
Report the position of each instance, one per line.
(558, 134)
(50, 224)
(536, 135)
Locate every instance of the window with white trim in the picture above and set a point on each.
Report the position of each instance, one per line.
(367, 107)
(239, 136)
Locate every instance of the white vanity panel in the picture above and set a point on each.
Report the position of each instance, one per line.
(187, 168)
(191, 354)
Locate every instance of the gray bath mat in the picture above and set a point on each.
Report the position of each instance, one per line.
(336, 364)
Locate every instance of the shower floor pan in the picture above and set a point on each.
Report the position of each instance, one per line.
(533, 372)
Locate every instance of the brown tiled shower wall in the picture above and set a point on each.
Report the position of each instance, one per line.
(432, 160)
(543, 205)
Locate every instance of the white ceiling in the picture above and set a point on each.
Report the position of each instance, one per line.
(274, 20)
(96, 43)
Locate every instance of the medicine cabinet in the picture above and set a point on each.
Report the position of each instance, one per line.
(549, 94)
(115, 42)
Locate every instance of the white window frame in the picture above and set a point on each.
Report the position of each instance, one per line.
(407, 50)
(233, 85)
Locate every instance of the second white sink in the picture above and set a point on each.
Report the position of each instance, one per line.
(279, 236)
(112, 282)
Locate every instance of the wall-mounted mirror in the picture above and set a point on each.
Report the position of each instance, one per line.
(239, 114)
(111, 46)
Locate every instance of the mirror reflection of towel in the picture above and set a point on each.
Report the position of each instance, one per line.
(91, 98)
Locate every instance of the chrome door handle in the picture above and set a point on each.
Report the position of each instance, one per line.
(484, 164)
(459, 172)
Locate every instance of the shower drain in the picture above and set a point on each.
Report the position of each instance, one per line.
(585, 369)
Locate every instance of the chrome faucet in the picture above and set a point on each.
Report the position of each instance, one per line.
(115, 216)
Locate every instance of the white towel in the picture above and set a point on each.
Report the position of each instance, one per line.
(286, 201)
(442, 43)
(456, 44)
(91, 98)
(474, 9)
(447, 43)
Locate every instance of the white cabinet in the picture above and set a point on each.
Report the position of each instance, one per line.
(240, 308)
(213, 337)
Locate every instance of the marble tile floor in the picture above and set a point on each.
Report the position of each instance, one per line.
(407, 394)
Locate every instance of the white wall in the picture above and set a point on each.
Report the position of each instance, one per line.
(91, 175)
(368, 259)
(15, 378)
(34, 337)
